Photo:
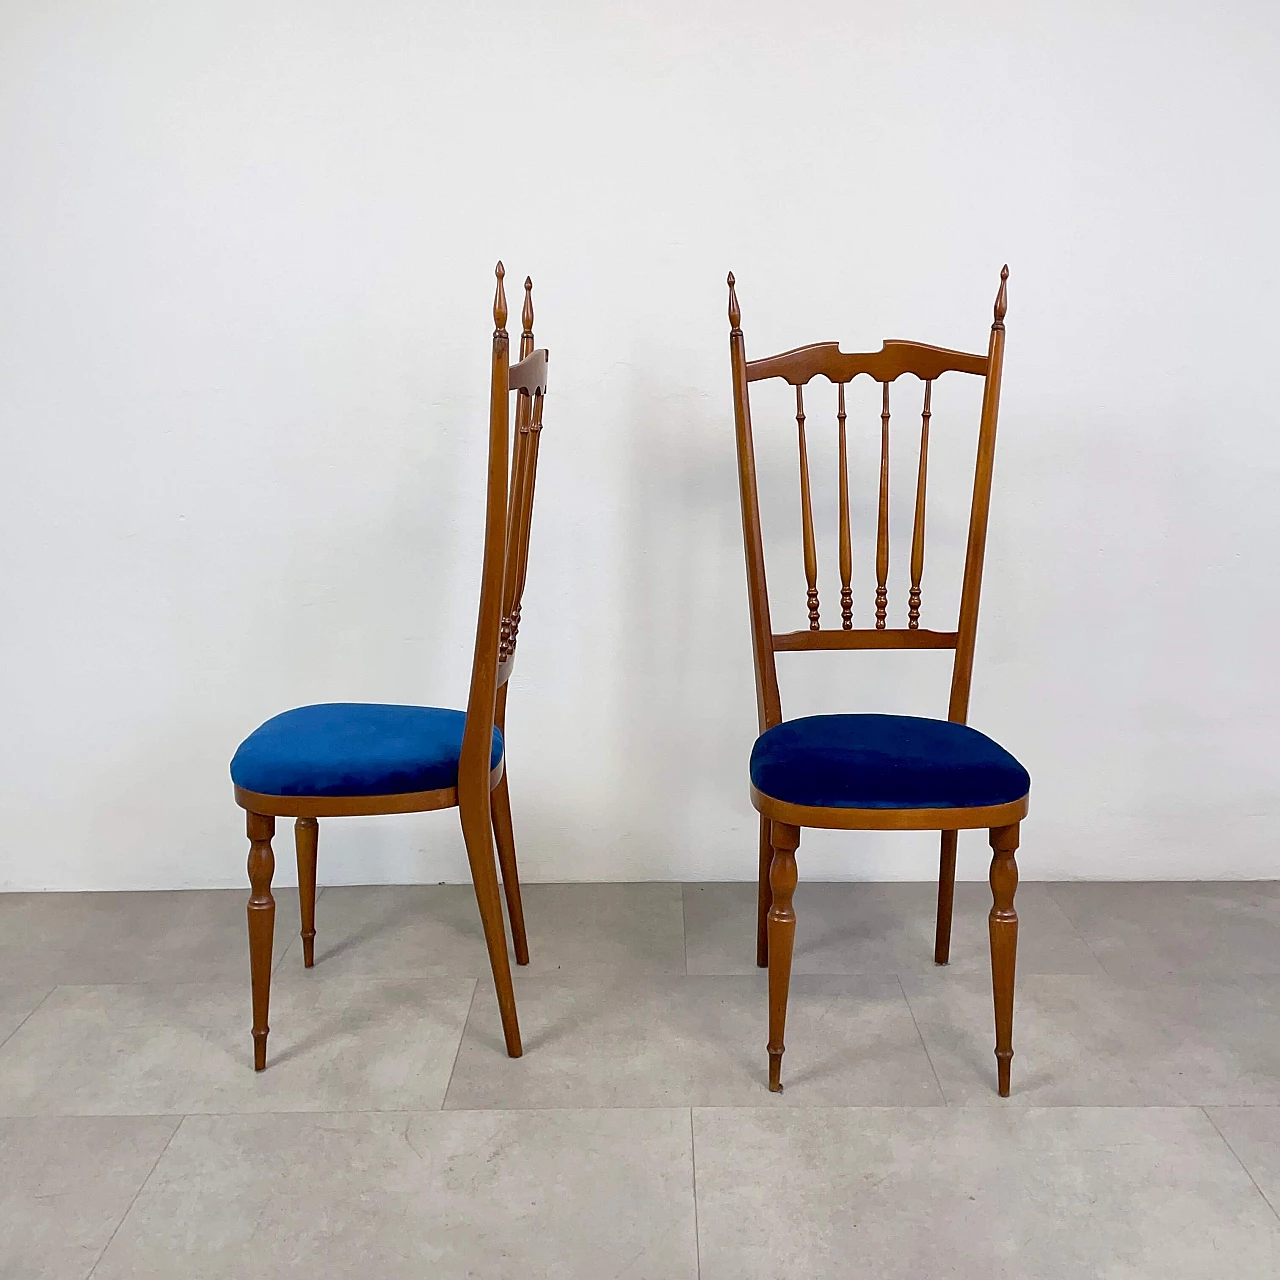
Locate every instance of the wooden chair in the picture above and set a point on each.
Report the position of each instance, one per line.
(873, 772)
(341, 759)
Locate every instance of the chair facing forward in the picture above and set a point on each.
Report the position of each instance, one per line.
(343, 759)
(875, 772)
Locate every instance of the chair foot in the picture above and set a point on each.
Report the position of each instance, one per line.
(775, 1071)
(1003, 1060)
(260, 1049)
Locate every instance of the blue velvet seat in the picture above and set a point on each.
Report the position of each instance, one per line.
(354, 749)
(884, 762)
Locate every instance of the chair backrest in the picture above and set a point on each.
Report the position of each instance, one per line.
(885, 366)
(508, 519)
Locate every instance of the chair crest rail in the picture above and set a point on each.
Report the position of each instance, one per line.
(530, 374)
(894, 358)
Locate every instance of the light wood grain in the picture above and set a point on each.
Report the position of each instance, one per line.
(481, 795)
(825, 359)
(776, 924)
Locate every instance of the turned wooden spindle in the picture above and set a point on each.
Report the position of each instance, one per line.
(524, 466)
(519, 492)
(531, 433)
(735, 312)
(1003, 924)
(785, 840)
(262, 924)
(917, 532)
(882, 518)
(1002, 298)
(846, 537)
(806, 513)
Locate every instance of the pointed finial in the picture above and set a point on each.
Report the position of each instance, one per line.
(1002, 299)
(735, 312)
(500, 299)
(526, 316)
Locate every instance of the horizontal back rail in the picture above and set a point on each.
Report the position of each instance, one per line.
(892, 360)
(864, 638)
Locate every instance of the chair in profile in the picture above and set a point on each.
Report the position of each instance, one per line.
(875, 772)
(345, 759)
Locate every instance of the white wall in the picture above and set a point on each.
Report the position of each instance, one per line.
(245, 277)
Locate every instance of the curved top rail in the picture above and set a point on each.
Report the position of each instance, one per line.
(530, 374)
(894, 358)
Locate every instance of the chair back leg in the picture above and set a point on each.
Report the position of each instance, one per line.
(306, 836)
(764, 897)
(262, 927)
(946, 898)
(477, 833)
(1004, 944)
(504, 835)
(785, 840)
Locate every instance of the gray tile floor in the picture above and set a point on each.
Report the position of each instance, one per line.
(391, 1137)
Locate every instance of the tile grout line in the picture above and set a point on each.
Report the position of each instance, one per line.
(684, 929)
(1241, 1163)
(907, 1001)
(35, 1009)
(444, 1097)
(98, 1260)
(693, 1165)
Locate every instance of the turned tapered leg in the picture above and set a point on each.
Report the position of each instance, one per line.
(946, 897)
(500, 808)
(262, 927)
(306, 835)
(764, 897)
(478, 835)
(782, 934)
(1004, 943)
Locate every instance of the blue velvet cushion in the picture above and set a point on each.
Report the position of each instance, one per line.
(884, 762)
(354, 749)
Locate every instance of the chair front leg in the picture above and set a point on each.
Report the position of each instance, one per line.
(764, 897)
(785, 840)
(946, 897)
(1004, 943)
(262, 926)
(306, 836)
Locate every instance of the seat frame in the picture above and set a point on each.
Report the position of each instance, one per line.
(481, 794)
(781, 821)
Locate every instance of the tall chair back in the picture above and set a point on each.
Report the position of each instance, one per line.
(894, 359)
